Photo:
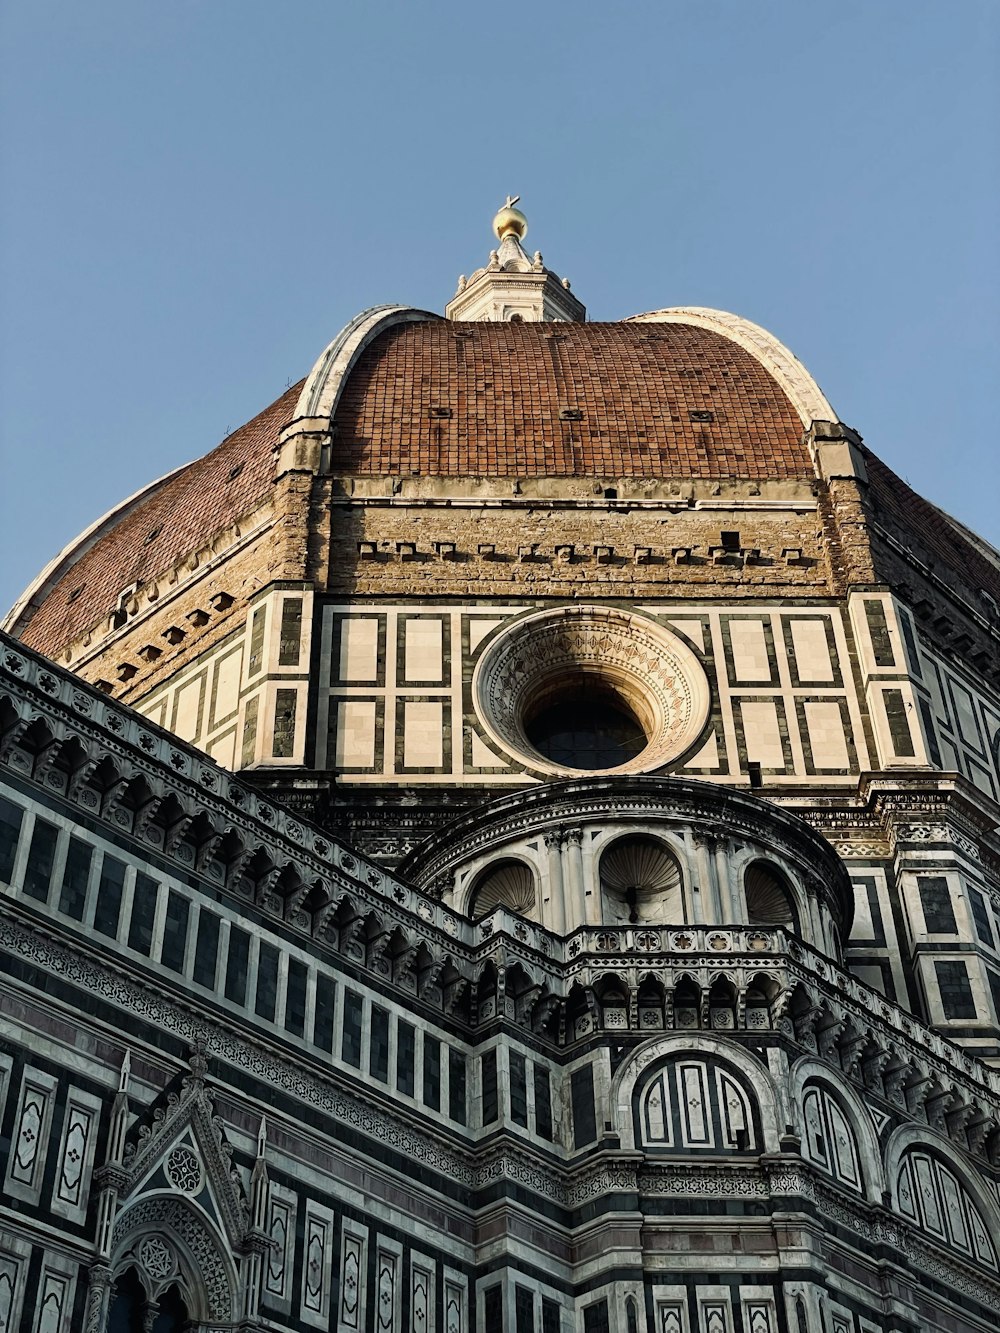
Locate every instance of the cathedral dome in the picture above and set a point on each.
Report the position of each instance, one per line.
(403, 393)
(557, 399)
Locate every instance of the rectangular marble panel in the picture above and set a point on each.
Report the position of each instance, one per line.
(317, 1262)
(187, 715)
(693, 1098)
(76, 1155)
(762, 733)
(455, 1299)
(422, 1294)
(359, 650)
(13, 1274)
(353, 1277)
(423, 652)
(55, 1302)
(223, 749)
(423, 742)
(751, 662)
(225, 694)
(825, 724)
(356, 733)
(812, 651)
(478, 630)
(30, 1136)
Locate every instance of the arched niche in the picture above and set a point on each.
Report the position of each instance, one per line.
(769, 897)
(641, 882)
(170, 1242)
(933, 1189)
(821, 1104)
(508, 883)
(743, 1077)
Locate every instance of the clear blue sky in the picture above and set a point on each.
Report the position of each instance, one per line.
(199, 193)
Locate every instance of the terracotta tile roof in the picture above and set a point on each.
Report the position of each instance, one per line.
(471, 399)
(202, 499)
(919, 524)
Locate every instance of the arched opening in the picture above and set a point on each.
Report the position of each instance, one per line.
(509, 884)
(768, 897)
(722, 1004)
(128, 1305)
(687, 1004)
(631, 1315)
(613, 1000)
(131, 1307)
(760, 996)
(584, 724)
(650, 1004)
(172, 1315)
(641, 882)
(580, 1009)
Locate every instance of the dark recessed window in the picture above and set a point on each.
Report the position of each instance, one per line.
(206, 949)
(10, 831)
(140, 929)
(295, 997)
(326, 993)
(957, 999)
(109, 897)
(586, 729)
(41, 857)
(406, 1045)
(378, 1044)
(73, 894)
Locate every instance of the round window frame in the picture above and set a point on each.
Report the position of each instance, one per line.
(633, 657)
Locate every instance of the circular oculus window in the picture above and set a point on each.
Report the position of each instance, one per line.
(589, 689)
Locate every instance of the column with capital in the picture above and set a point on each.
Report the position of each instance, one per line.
(732, 912)
(711, 907)
(98, 1297)
(555, 919)
(575, 914)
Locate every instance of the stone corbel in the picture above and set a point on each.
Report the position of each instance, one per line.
(303, 446)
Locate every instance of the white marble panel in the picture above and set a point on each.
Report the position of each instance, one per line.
(749, 646)
(825, 724)
(812, 652)
(359, 650)
(423, 651)
(188, 707)
(356, 733)
(423, 742)
(762, 733)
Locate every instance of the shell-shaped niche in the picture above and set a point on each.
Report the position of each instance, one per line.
(768, 901)
(509, 884)
(641, 881)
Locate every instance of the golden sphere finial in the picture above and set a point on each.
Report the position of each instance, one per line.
(510, 220)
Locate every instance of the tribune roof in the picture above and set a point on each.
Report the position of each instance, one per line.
(143, 538)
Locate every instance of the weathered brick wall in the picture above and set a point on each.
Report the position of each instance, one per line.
(607, 550)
